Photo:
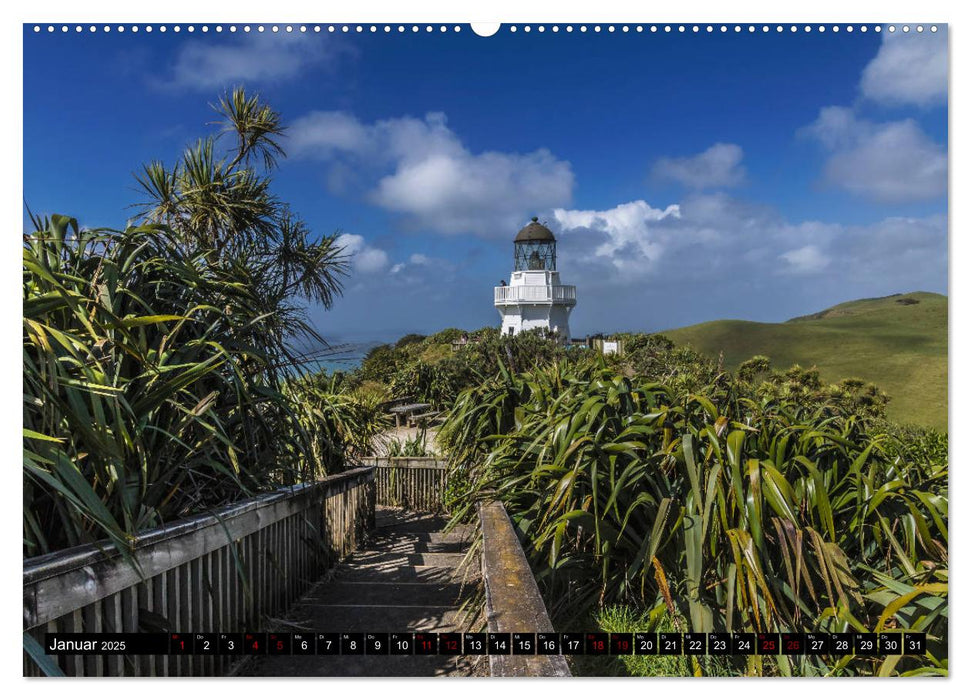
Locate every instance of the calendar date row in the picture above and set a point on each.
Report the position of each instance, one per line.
(492, 643)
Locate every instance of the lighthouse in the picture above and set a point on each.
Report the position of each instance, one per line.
(534, 297)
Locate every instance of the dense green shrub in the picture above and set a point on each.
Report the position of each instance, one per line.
(156, 358)
(436, 368)
(734, 510)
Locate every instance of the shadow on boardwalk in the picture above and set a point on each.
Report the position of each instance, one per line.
(407, 578)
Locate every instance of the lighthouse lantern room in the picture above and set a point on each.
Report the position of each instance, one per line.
(534, 297)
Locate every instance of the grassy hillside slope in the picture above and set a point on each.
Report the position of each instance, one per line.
(899, 345)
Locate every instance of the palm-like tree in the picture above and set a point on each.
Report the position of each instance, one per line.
(220, 200)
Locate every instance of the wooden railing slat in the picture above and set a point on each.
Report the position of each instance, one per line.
(413, 483)
(160, 607)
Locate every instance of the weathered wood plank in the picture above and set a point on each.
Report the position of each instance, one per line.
(513, 601)
(114, 665)
(196, 620)
(145, 601)
(176, 663)
(205, 610)
(214, 600)
(259, 578)
(224, 598)
(129, 623)
(187, 604)
(73, 662)
(160, 607)
(280, 569)
(93, 664)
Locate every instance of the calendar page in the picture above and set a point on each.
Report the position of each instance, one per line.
(274, 425)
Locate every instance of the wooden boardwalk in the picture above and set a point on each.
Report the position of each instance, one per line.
(339, 555)
(408, 577)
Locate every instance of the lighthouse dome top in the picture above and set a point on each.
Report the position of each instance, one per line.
(535, 231)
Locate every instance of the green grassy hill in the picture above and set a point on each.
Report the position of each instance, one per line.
(897, 342)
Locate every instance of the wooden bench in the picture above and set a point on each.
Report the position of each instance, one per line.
(406, 411)
(394, 403)
(416, 420)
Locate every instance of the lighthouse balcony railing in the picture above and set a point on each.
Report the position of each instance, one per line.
(536, 294)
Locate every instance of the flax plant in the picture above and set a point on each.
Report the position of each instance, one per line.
(731, 512)
(157, 358)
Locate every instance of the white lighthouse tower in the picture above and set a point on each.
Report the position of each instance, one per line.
(534, 297)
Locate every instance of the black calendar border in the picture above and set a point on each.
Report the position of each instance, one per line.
(885, 643)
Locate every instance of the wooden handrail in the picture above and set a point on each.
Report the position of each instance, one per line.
(513, 600)
(225, 571)
(65, 560)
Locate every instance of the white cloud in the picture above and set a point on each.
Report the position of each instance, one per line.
(715, 240)
(325, 134)
(807, 259)
(627, 231)
(898, 249)
(718, 166)
(892, 162)
(635, 241)
(421, 264)
(364, 258)
(638, 266)
(371, 260)
(207, 64)
(351, 243)
(420, 170)
(430, 279)
(909, 68)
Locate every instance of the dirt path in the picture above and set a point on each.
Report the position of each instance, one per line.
(403, 435)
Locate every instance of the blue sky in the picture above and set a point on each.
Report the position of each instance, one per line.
(688, 177)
